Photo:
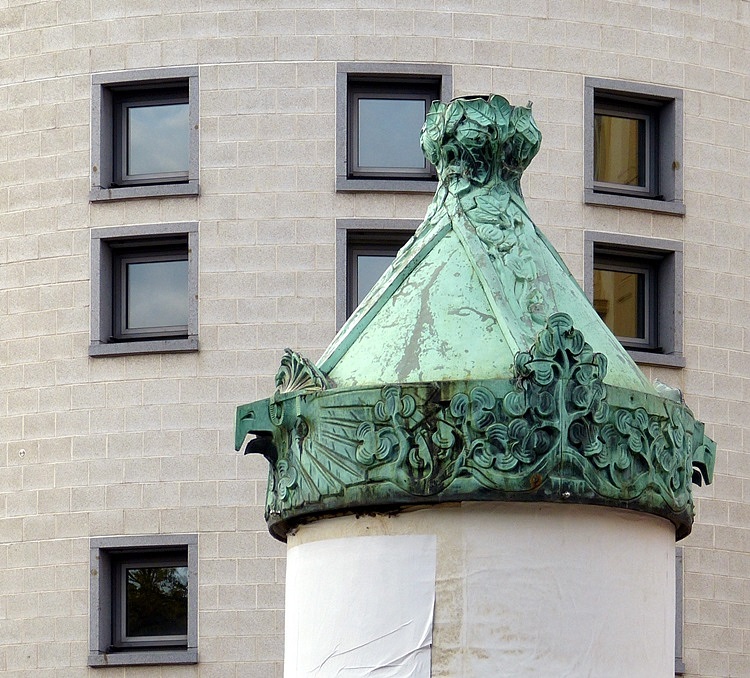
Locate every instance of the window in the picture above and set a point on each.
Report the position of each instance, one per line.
(364, 250)
(624, 149)
(144, 289)
(635, 285)
(625, 296)
(150, 288)
(633, 146)
(385, 120)
(368, 256)
(151, 135)
(145, 134)
(150, 594)
(381, 109)
(143, 600)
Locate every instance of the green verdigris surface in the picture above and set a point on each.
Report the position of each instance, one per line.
(478, 281)
(475, 369)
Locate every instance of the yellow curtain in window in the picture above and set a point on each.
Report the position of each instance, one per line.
(616, 146)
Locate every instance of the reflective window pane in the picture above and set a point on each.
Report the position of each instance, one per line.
(369, 269)
(619, 150)
(619, 298)
(157, 294)
(157, 139)
(389, 133)
(156, 601)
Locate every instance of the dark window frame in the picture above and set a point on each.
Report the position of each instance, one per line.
(647, 265)
(120, 565)
(417, 88)
(358, 73)
(373, 243)
(107, 555)
(631, 109)
(362, 230)
(107, 244)
(124, 98)
(665, 107)
(125, 252)
(666, 259)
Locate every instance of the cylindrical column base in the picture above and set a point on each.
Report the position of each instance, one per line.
(519, 590)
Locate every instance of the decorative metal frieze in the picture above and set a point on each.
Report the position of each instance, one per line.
(500, 396)
(553, 432)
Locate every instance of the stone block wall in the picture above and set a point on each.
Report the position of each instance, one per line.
(139, 445)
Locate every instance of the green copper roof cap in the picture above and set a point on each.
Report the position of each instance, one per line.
(476, 368)
(477, 282)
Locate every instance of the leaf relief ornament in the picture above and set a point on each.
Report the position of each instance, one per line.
(411, 445)
(297, 373)
(375, 444)
(285, 481)
(559, 395)
(495, 444)
(480, 141)
(480, 147)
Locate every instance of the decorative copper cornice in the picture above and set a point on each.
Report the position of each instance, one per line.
(554, 432)
(476, 369)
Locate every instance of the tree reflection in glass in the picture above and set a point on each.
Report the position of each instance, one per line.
(156, 601)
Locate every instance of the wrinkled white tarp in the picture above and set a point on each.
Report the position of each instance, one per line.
(360, 607)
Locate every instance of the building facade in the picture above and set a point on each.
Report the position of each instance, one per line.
(186, 191)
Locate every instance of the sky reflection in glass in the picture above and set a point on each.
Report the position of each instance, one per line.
(158, 139)
(389, 133)
(369, 269)
(157, 294)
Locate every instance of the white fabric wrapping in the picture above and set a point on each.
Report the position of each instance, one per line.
(360, 607)
(522, 590)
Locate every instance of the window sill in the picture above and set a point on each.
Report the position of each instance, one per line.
(143, 657)
(98, 350)
(651, 204)
(344, 184)
(659, 359)
(100, 194)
